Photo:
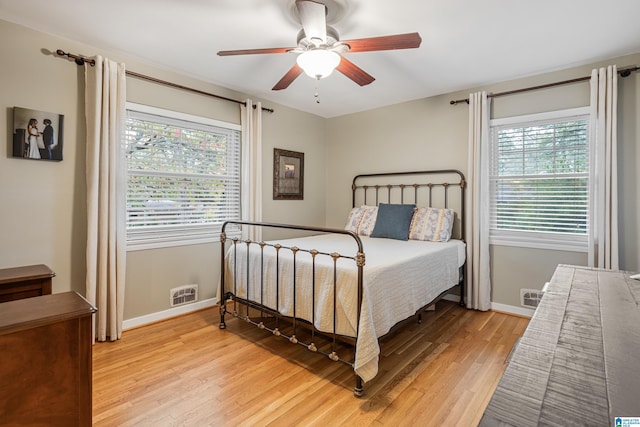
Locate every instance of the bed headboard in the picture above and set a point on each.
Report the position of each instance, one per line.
(435, 188)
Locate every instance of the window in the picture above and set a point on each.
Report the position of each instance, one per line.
(539, 180)
(183, 177)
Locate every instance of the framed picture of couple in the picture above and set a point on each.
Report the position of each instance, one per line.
(37, 134)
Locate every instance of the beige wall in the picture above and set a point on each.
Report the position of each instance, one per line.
(430, 133)
(43, 213)
(42, 210)
(42, 204)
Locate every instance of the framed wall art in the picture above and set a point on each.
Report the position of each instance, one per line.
(288, 175)
(37, 134)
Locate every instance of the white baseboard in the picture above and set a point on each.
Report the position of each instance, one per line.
(166, 314)
(184, 309)
(510, 309)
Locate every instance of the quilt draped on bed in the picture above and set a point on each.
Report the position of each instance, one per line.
(399, 278)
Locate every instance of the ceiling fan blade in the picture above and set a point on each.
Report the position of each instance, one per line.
(288, 78)
(398, 41)
(354, 72)
(313, 20)
(255, 51)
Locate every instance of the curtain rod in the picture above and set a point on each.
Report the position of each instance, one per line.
(625, 72)
(81, 60)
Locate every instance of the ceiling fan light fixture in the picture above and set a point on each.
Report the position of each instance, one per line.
(318, 63)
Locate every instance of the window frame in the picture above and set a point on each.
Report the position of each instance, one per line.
(539, 239)
(172, 236)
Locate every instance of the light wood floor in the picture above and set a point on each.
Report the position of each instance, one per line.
(187, 372)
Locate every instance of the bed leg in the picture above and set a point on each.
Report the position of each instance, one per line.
(462, 303)
(223, 311)
(463, 286)
(358, 391)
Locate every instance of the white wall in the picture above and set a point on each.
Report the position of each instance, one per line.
(431, 133)
(415, 135)
(43, 212)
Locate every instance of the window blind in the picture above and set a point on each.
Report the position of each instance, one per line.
(539, 176)
(183, 179)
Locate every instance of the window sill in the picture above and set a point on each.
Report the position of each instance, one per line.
(540, 241)
(168, 238)
(143, 246)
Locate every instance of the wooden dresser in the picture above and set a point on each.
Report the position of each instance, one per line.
(578, 362)
(25, 282)
(45, 361)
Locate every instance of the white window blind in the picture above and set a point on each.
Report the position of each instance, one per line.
(539, 181)
(183, 177)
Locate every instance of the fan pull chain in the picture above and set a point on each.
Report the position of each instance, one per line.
(316, 95)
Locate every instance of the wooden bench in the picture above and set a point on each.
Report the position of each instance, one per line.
(578, 362)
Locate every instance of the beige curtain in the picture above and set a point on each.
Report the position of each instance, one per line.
(105, 97)
(603, 238)
(478, 295)
(251, 187)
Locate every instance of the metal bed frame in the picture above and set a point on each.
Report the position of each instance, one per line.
(392, 192)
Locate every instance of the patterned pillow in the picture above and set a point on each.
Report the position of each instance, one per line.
(353, 221)
(431, 224)
(370, 213)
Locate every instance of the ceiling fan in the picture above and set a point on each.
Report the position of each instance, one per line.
(320, 47)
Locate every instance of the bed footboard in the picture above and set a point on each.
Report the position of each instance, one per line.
(312, 314)
(250, 294)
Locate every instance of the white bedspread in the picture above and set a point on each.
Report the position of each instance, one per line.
(399, 278)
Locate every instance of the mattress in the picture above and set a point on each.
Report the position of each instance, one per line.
(399, 278)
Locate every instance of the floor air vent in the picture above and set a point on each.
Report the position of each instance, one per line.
(530, 297)
(184, 295)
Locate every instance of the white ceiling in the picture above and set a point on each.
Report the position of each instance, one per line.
(465, 43)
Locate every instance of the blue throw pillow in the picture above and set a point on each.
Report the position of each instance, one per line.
(393, 221)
